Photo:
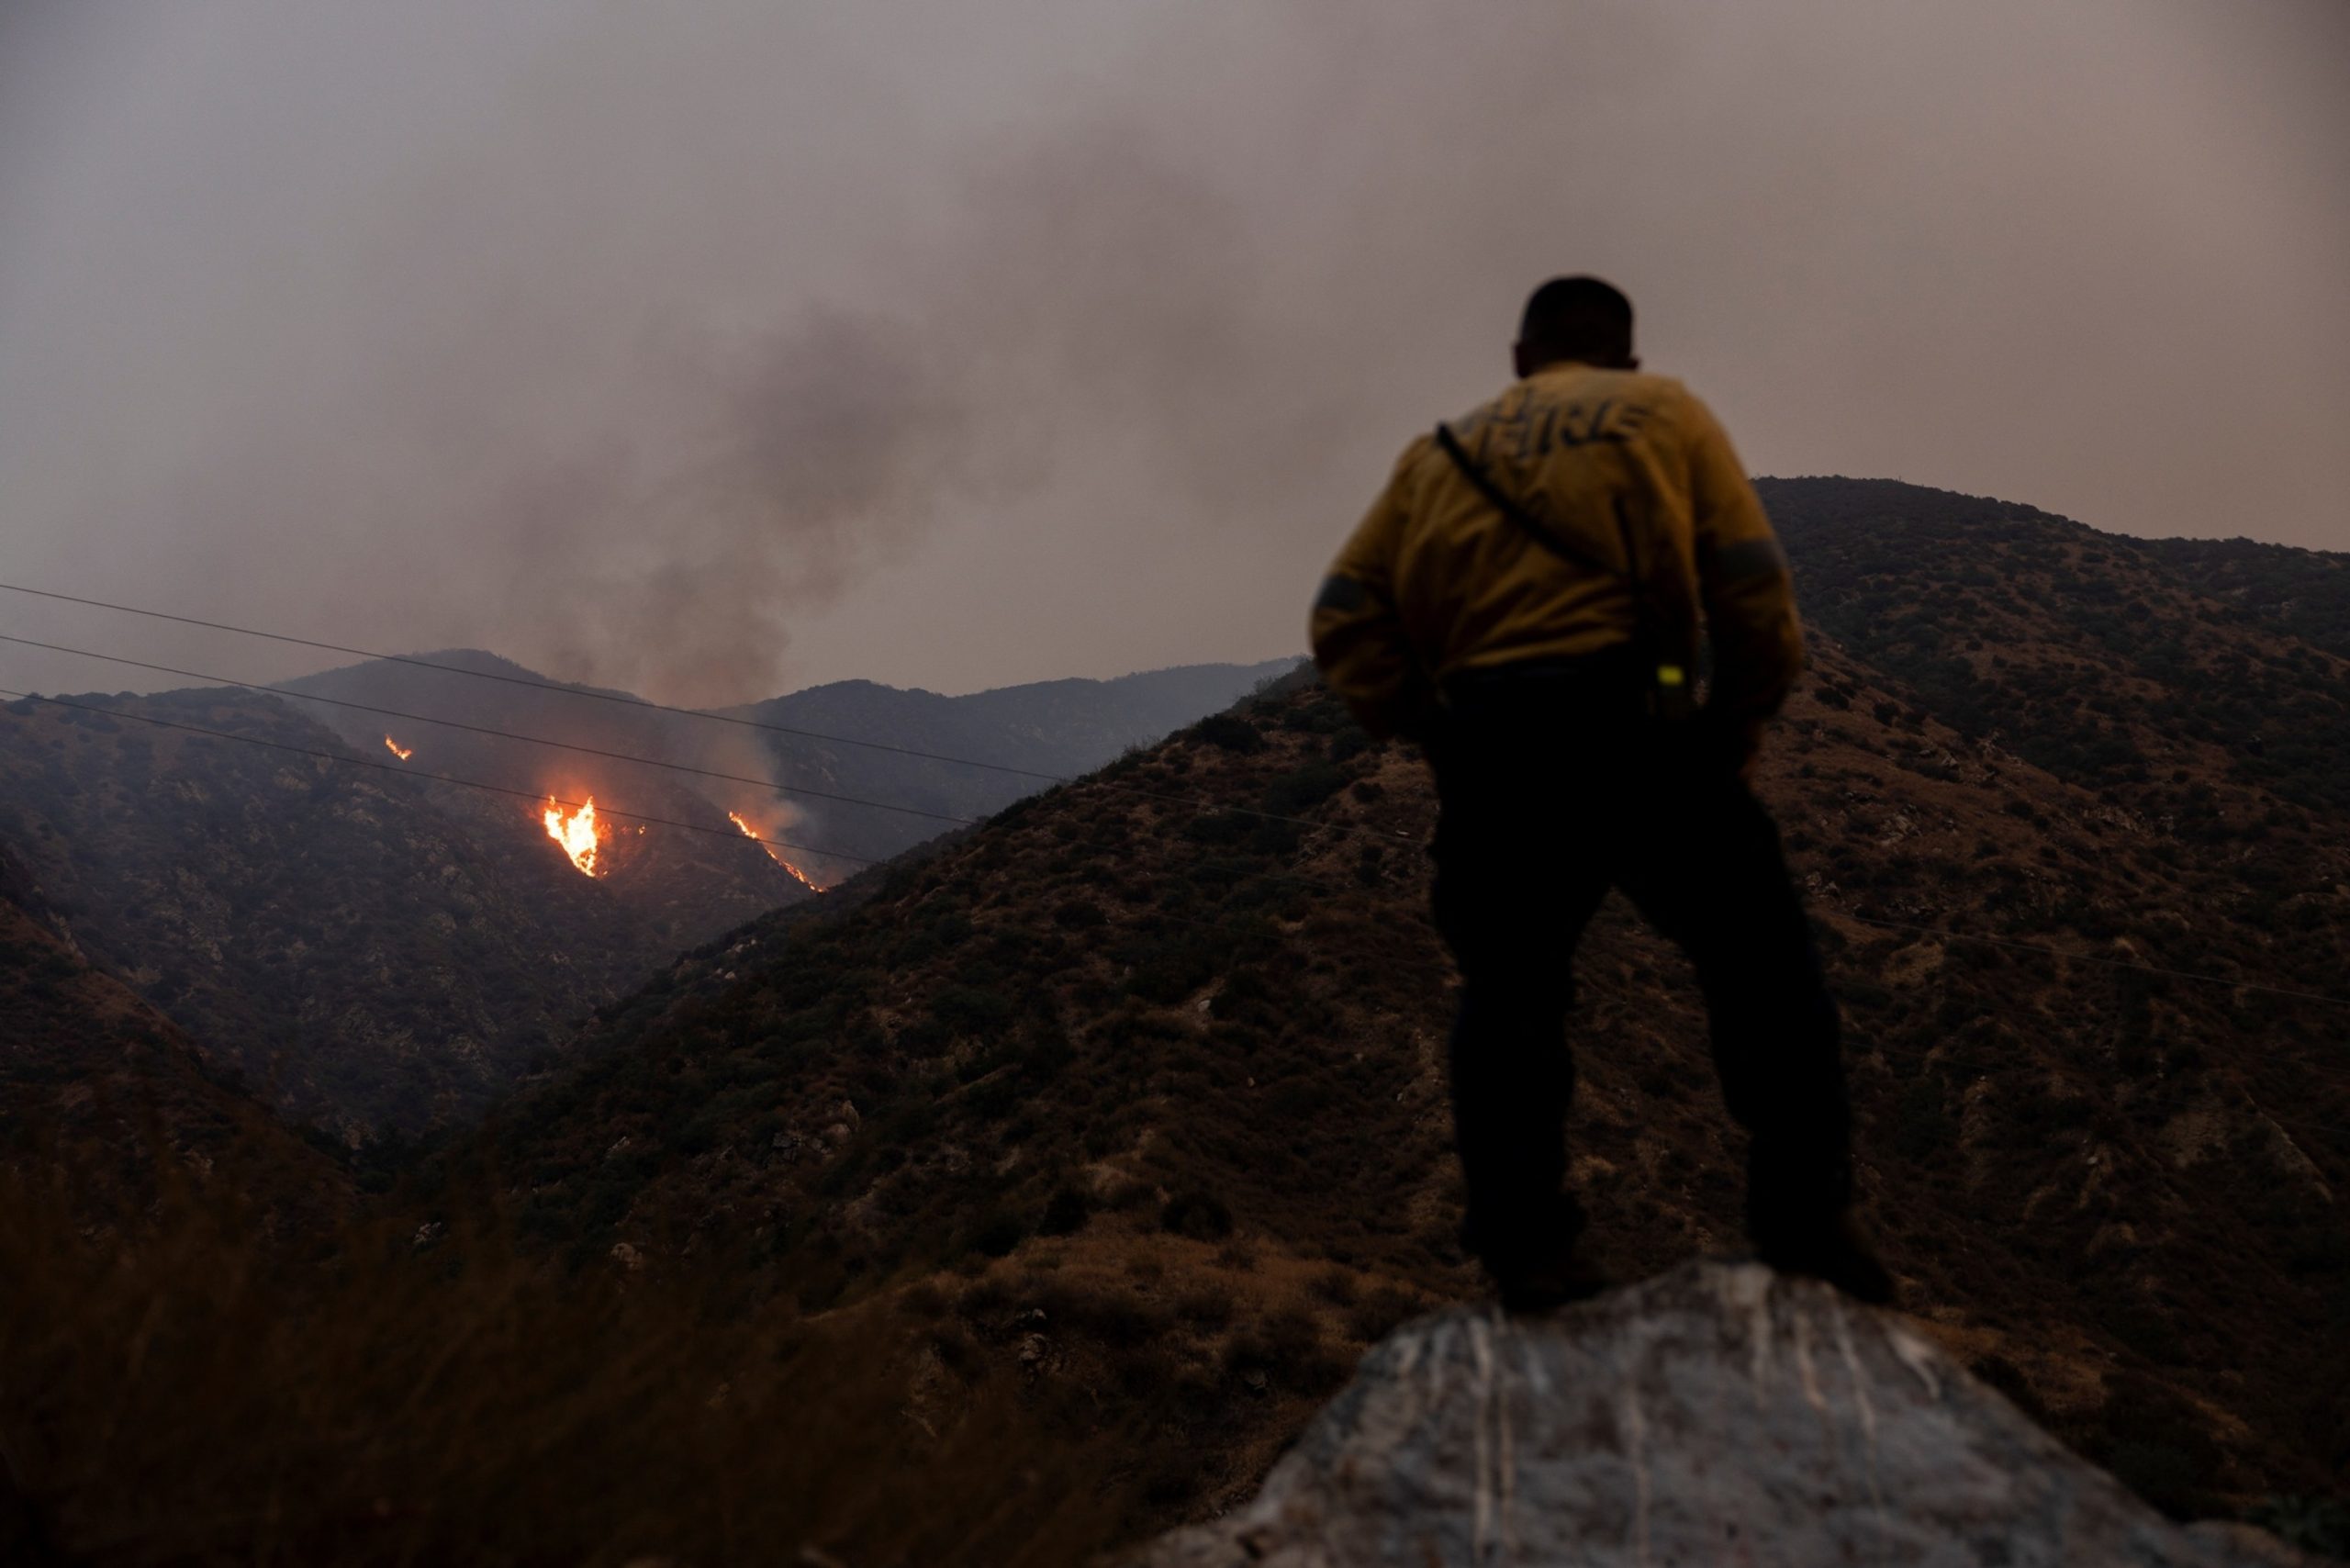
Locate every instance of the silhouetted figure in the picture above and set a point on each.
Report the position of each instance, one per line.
(1526, 602)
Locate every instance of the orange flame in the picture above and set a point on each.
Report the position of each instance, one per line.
(753, 834)
(578, 833)
(402, 752)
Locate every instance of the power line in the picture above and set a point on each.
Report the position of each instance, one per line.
(496, 733)
(726, 832)
(1195, 805)
(1237, 874)
(730, 833)
(642, 705)
(536, 685)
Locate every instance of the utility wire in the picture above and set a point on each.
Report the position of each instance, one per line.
(726, 832)
(1238, 874)
(642, 705)
(1194, 804)
(629, 702)
(730, 833)
(497, 734)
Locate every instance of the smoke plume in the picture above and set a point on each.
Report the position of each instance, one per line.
(711, 349)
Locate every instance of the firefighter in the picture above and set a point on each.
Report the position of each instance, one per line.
(1527, 600)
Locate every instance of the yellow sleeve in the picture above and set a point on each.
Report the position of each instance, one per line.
(1742, 580)
(1359, 639)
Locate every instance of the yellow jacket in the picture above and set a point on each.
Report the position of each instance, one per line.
(1436, 580)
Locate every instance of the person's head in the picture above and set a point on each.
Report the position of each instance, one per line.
(1577, 319)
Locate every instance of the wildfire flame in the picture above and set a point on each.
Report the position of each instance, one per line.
(402, 752)
(578, 833)
(753, 834)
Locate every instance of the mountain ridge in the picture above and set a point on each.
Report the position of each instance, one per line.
(1106, 1022)
(383, 950)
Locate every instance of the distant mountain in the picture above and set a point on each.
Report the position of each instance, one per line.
(380, 952)
(784, 763)
(1032, 735)
(1139, 1087)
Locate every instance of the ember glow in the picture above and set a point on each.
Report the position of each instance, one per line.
(402, 752)
(578, 834)
(753, 834)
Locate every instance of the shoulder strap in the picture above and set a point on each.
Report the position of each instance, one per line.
(1671, 698)
(1541, 533)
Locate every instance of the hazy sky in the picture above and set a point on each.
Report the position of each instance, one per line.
(718, 347)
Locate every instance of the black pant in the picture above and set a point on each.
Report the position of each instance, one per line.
(1556, 787)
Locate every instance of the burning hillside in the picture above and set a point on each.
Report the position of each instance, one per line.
(417, 1010)
(760, 839)
(578, 832)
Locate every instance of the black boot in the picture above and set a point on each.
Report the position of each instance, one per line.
(1536, 1291)
(1533, 1258)
(1832, 1250)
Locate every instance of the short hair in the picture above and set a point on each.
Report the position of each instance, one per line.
(1568, 317)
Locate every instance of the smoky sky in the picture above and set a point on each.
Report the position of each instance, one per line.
(720, 347)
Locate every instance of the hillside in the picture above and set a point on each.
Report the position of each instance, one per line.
(2304, 592)
(100, 1090)
(372, 952)
(1054, 729)
(793, 767)
(381, 953)
(2104, 658)
(1141, 1085)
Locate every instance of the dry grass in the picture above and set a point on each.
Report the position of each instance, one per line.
(179, 1391)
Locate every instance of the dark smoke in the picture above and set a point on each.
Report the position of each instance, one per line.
(808, 456)
(712, 348)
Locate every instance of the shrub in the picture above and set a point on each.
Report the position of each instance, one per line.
(1379, 1311)
(1066, 1213)
(1335, 1285)
(1228, 732)
(1305, 789)
(2313, 1524)
(968, 1010)
(2162, 1475)
(1080, 915)
(1199, 1216)
(996, 1234)
(489, 1387)
(1207, 1306)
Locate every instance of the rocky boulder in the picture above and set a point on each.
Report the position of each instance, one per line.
(1717, 1414)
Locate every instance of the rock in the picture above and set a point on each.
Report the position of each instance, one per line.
(1715, 1414)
